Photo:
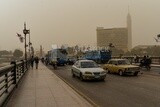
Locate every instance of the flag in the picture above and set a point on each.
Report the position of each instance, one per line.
(21, 39)
(158, 36)
(88, 48)
(19, 35)
(156, 39)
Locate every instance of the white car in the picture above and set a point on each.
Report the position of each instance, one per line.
(87, 70)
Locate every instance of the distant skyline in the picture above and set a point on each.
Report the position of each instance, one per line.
(74, 22)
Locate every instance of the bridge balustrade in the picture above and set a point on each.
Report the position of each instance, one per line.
(10, 76)
(155, 59)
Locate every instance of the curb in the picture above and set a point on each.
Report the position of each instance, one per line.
(155, 66)
(80, 93)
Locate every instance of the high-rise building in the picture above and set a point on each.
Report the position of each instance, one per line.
(129, 28)
(121, 38)
(41, 50)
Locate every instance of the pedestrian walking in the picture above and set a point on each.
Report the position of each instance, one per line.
(136, 58)
(46, 61)
(148, 62)
(36, 61)
(32, 62)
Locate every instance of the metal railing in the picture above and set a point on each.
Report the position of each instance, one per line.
(155, 59)
(10, 76)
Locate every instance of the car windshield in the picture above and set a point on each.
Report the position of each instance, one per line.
(88, 65)
(123, 62)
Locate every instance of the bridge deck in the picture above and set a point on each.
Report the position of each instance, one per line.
(42, 88)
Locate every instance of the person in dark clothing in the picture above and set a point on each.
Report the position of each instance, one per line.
(42, 60)
(46, 61)
(32, 62)
(143, 62)
(36, 61)
(148, 62)
(136, 58)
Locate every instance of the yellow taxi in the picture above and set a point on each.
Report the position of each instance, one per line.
(121, 66)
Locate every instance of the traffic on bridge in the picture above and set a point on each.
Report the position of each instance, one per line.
(79, 53)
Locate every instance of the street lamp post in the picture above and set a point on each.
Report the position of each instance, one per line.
(29, 44)
(25, 31)
(157, 40)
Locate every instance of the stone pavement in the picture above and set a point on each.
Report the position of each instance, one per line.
(42, 88)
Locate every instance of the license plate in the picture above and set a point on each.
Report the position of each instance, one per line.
(97, 76)
(133, 71)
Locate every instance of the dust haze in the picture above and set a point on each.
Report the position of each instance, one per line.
(75, 21)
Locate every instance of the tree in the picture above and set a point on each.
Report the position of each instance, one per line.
(5, 52)
(70, 50)
(18, 53)
(117, 52)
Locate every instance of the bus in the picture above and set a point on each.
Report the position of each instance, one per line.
(99, 56)
(57, 57)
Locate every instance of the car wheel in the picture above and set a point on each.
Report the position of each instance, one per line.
(136, 73)
(108, 71)
(81, 77)
(103, 79)
(120, 72)
(73, 75)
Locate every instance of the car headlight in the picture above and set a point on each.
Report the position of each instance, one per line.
(88, 72)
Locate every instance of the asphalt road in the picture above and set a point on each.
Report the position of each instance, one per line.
(118, 91)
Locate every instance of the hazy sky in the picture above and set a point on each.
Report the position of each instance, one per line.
(74, 21)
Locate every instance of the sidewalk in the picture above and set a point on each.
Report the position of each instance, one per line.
(42, 88)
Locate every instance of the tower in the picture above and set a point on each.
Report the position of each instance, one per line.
(129, 29)
(41, 51)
